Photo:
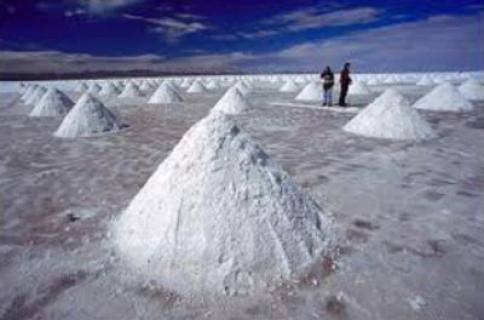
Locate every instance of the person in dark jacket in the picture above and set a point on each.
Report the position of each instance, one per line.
(345, 81)
(327, 76)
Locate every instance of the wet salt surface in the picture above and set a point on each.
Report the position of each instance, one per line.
(411, 214)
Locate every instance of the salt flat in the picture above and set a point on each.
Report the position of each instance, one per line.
(410, 215)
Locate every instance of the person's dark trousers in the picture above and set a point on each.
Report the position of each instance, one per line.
(342, 95)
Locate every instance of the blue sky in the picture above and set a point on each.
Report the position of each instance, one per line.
(240, 35)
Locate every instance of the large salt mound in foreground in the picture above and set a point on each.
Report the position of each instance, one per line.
(53, 103)
(88, 117)
(472, 90)
(232, 102)
(165, 94)
(445, 97)
(219, 216)
(311, 92)
(390, 116)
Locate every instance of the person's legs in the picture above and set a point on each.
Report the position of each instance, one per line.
(342, 95)
(325, 99)
(330, 97)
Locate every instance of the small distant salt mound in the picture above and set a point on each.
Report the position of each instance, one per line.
(146, 86)
(289, 86)
(444, 97)
(35, 96)
(197, 87)
(425, 80)
(131, 91)
(81, 87)
(109, 89)
(219, 216)
(28, 92)
(311, 92)
(359, 88)
(165, 94)
(232, 102)
(243, 88)
(53, 103)
(390, 116)
(94, 88)
(88, 117)
(472, 90)
(212, 85)
(186, 83)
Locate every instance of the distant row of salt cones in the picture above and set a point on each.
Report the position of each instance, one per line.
(390, 116)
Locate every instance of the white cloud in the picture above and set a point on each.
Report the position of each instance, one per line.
(437, 43)
(103, 6)
(312, 18)
(172, 28)
(304, 19)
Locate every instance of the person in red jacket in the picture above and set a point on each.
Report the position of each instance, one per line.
(345, 81)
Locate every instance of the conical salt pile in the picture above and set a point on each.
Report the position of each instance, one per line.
(94, 88)
(219, 216)
(88, 117)
(197, 87)
(390, 116)
(186, 83)
(243, 88)
(109, 89)
(232, 102)
(472, 90)
(425, 81)
(212, 85)
(146, 86)
(131, 91)
(165, 94)
(359, 88)
(28, 92)
(81, 87)
(311, 92)
(53, 103)
(444, 97)
(36, 95)
(289, 86)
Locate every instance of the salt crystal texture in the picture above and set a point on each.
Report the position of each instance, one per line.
(444, 97)
(390, 116)
(232, 102)
(311, 92)
(472, 90)
(165, 94)
(219, 216)
(53, 103)
(88, 117)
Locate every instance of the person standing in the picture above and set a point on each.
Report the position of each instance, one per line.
(328, 82)
(345, 81)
